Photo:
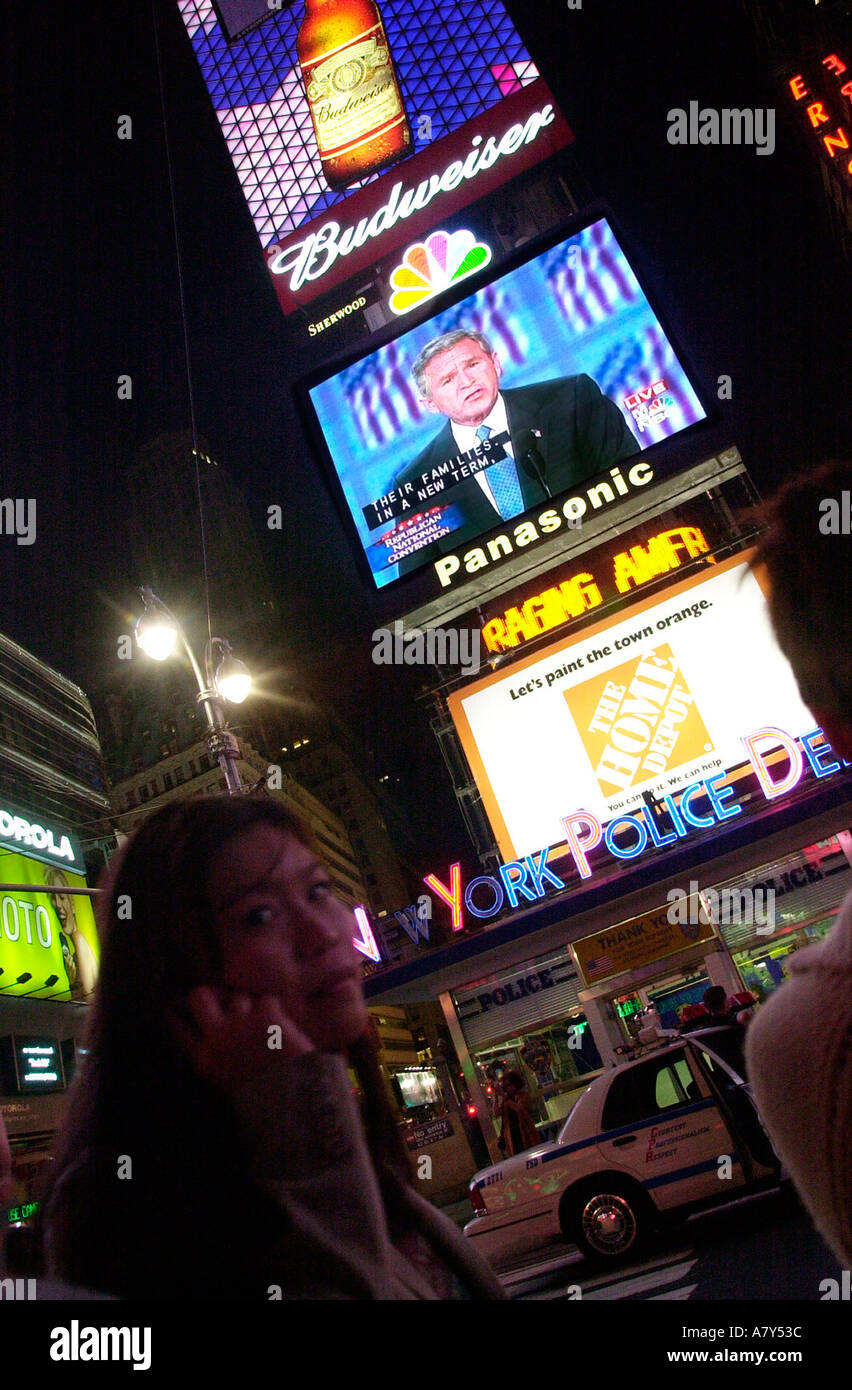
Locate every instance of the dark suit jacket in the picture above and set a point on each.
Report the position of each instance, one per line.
(582, 433)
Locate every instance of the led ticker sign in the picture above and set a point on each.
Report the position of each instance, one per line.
(825, 112)
(702, 805)
(581, 592)
(22, 1213)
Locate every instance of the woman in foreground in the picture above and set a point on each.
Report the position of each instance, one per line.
(213, 1147)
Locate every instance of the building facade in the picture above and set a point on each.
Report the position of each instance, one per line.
(191, 771)
(55, 828)
(704, 819)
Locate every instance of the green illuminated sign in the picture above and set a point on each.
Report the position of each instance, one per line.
(628, 1007)
(48, 940)
(22, 1212)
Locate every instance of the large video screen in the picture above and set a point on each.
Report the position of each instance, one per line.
(554, 373)
(312, 106)
(646, 702)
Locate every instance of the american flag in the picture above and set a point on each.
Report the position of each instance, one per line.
(626, 361)
(659, 361)
(381, 395)
(590, 278)
(597, 965)
(492, 316)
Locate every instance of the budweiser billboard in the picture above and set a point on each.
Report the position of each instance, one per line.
(475, 160)
(320, 105)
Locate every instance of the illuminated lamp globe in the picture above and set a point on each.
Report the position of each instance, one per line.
(233, 680)
(156, 635)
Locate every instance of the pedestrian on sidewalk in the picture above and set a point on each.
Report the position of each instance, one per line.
(518, 1131)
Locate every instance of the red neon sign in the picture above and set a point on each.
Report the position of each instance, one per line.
(836, 140)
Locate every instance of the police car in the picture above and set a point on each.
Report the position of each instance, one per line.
(673, 1130)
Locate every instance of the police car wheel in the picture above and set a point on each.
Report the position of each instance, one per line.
(608, 1224)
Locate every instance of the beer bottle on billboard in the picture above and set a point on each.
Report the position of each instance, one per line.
(352, 89)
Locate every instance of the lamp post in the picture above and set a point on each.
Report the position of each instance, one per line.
(156, 631)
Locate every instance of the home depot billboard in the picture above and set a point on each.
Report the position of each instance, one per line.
(640, 703)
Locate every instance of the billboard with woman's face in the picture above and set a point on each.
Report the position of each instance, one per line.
(48, 939)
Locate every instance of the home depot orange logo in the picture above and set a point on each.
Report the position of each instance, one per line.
(638, 721)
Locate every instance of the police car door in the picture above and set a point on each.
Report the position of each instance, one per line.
(720, 1058)
(661, 1123)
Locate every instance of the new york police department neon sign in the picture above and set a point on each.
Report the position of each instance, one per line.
(628, 836)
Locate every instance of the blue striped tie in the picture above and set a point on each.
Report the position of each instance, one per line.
(502, 478)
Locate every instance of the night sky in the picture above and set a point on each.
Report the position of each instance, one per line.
(735, 247)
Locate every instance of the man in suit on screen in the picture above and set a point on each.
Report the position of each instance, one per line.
(542, 438)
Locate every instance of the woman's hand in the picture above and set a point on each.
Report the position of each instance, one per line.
(229, 1037)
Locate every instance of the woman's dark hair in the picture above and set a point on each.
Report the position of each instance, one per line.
(136, 1095)
(807, 563)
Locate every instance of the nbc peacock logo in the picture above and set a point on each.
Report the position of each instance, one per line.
(430, 266)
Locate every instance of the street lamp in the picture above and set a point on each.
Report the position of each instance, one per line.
(157, 630)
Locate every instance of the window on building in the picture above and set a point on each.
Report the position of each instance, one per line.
(168, 781)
